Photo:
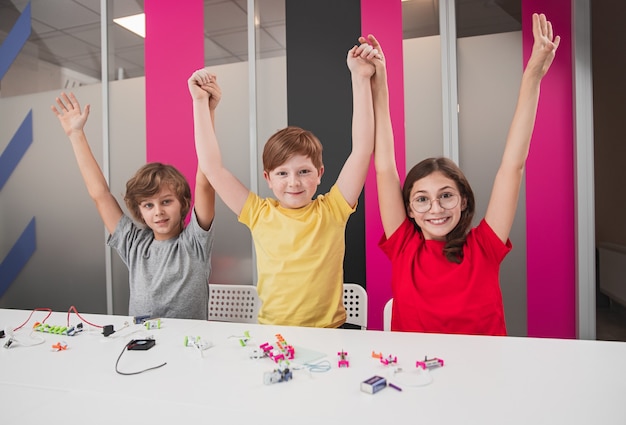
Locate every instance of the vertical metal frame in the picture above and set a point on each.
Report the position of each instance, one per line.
(449, 91)
(252, 93)
(585, 198)
(106, 164)
(252, 111)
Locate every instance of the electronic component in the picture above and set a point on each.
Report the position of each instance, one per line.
(343, 359)
(141, 344)
(60, 346)
(283, 351)
(244, 340)
(282, 374)
(429, 363)
(153, 324)
(10, 341)
(137, 344)
(57, 329)
(389, 360)
(140, 320)
(197, 342)
(373, 384)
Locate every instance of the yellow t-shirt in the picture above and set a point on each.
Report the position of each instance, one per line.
(299, 259)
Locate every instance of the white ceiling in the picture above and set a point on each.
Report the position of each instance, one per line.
(67, 32)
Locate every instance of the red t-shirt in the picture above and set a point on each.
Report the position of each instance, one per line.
(432, 294)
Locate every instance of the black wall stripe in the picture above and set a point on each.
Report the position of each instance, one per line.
(319, 96)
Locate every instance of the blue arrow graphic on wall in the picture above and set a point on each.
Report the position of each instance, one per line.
(16, 149)
(15, 41)
(24, 247)
(17, 258)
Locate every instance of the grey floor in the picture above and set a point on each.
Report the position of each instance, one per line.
(611, 322)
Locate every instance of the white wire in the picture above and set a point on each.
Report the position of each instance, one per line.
(15, 341)
(415, 378)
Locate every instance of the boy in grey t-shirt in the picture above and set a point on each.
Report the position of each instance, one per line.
(169, 263)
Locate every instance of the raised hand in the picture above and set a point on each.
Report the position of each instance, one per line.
(202, 85)
(214, 91)
(196, 81)
(69, 113)
(544, 47)
(360, 60)
(378, 58)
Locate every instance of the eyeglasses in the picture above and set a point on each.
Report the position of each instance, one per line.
(447, 201)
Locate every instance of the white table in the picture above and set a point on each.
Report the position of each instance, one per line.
(485, 380)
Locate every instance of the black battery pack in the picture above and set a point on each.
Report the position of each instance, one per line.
(141, 344)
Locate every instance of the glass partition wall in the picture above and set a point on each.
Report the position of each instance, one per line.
(489, 56)
(462, 67)
(51, 238)
(66, 45)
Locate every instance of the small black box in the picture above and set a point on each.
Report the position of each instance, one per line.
(141, 344)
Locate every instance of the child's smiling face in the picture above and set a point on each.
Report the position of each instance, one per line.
(437, 222)
(294, 182)
(162, 213)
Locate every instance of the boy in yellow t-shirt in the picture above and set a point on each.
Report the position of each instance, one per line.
(299, 241)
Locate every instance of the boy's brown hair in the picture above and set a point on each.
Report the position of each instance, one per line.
(288, 142)
(149, 180)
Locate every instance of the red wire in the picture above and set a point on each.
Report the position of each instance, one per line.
(31, 315)
(80, 317)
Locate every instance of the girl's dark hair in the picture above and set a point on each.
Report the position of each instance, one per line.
(455, 240)
(149, 180)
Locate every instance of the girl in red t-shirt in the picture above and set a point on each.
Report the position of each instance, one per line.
(444, 275)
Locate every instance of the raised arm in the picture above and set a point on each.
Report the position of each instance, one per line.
(353, 173)
(231, 190)
(204, 192)
(391, 204)
(504, 196)
(73, 121)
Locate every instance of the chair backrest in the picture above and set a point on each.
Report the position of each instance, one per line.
(355, 302)
(387, 315)
(233, 303)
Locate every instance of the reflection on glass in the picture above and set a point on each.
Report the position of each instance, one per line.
(270, 25)
(420, 18)
(422, 80)
(482, 17)
(125, 46)
(488, 86)
(64, 47)
(226, 33)
(62, 51)
(271, 77)
(226, 53)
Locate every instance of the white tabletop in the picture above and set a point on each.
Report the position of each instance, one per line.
(485, 380)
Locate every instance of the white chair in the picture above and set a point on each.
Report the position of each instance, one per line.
(233, 303)
(355, 302)
(387, 315)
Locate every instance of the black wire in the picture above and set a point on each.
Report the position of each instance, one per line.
(133, 373)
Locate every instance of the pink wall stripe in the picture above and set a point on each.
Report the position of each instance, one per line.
(383, 18)
(174, 48)
(550, 226)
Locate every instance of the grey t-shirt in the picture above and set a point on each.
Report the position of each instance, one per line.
(167, 278)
